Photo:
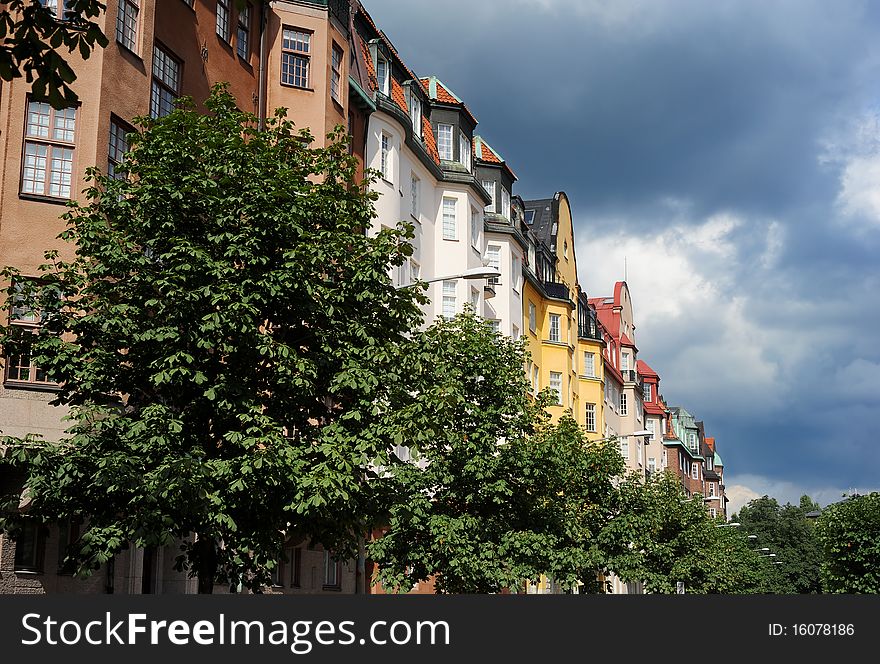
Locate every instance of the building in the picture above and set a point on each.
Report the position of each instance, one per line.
(655, 418)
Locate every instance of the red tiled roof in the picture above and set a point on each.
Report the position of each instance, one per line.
(610, 368)
(644, 370)
(371, 70)
(486, 153)
(711, 443)
(654, 409)
(430, 141)
(398, 96)
(626, 341)
(444, 95)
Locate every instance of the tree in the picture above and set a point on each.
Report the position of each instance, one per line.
(495, 494)
(849, 534)
(788, 533)
(226, 338)
(672, 539)
(32, 37)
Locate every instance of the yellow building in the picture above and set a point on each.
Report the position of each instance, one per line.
(562, 330)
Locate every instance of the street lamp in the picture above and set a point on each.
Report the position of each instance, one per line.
(752, 537)
(481, 272)
(726, 525)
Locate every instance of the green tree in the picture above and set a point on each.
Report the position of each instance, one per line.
(672, 539)
(849, 534)
(496, 494)
(788, 533)
(227, 340)
(33, 38)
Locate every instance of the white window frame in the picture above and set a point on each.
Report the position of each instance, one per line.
(383, 75)
(464, 150)
(221, 25)
(647, 387)
(624, 407)
(49, 150)
(449, 213)
(444, 141)
(385, 156)
(556, 384)
(414, 184)
(555, 327)
(415, 113)
(590, 417)
(296, 47)
(475, 228)
(533, 317)
(489, 186)
(336, 72)
(589, 364)
(449, 301)
(505, 203)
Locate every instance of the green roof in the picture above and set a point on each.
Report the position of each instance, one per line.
(718, 461)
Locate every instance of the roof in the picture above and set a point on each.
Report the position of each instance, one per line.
(543, 225)
(644, 370)
(430, 140)
(486, 153)
(398, 96)
(718, 461)
(438, 91)
(626, 341)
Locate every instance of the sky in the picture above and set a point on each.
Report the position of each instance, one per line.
(724, 157)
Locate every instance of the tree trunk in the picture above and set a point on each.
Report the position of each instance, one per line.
(206, 564)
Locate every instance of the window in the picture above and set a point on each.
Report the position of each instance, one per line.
(532, 317)
(652, 465)
(382, 75)
(493, 256)
(565, 249)
(331, 571)
(624, 448)
(489, 186)
(554, 327)
(515, 332)
(336, 74)
(296, 567)
(713, 512)
(649, 426)
(505, 203)
(127, 24)
(556, 384)
(449, 304)
(475, 300)
(166, 82)
(530, 217)
(30, 548)
(21, 369)
(444, 141)
(516, 275)
(692, 441)
(295, 58)
(464, 151)
(48, 150)
(68, 534)
(475, 229)
(223, 19)
(646, 388)
(623, 403)
(414, 195)
(589, 364)
(449, 220)
(695, 471)
(117, 148)
(385, 165)
(624, 361)
(496, 325)
(590, 421)
(536, 381)
(711, 489)
(243, 33)
(414, 271)
(415, 113)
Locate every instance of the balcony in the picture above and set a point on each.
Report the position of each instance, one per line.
(555, 289)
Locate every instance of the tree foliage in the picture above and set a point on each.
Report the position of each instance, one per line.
(788, 533)
(849, 534)
(227, 341)
(672, 539)
(33, 39)
(496, 494)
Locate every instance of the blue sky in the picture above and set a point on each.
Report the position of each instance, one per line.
(729, 153)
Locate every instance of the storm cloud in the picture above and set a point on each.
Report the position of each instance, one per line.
(728, 154)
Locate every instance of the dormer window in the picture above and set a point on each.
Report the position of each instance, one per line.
(505, 203)
(530, 217)
(444, 141)
(415, 114)
(464, 151)
(489, 186)
(382, 75)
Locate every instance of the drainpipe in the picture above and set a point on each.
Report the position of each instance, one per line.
(261, 71)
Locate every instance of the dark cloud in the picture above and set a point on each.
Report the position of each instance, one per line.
(659, 116)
